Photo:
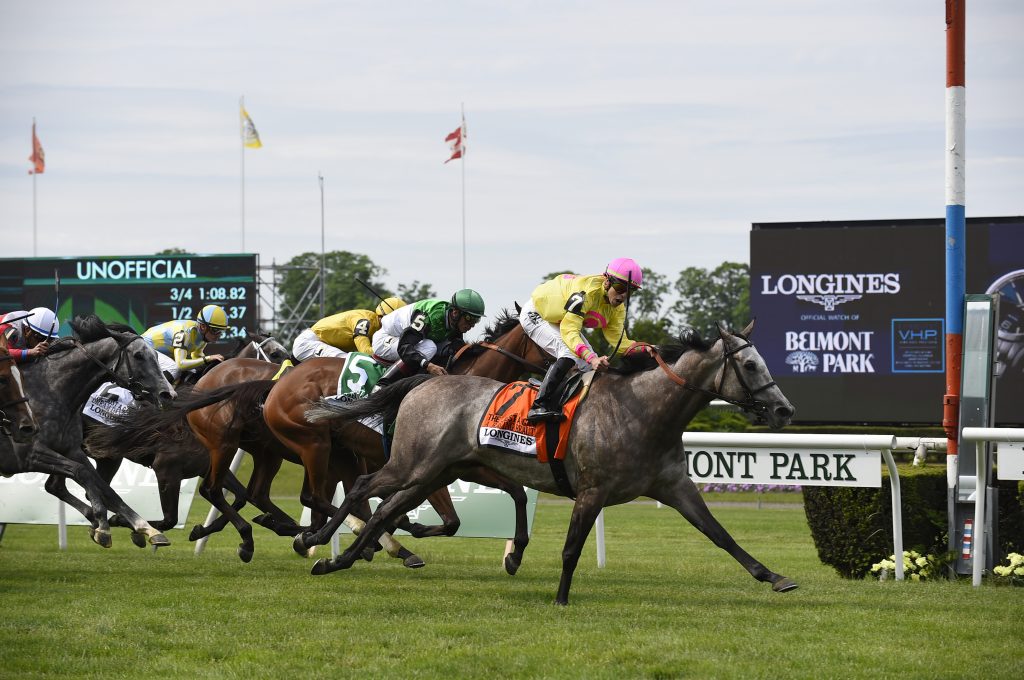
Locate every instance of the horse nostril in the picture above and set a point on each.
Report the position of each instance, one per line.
(784, 412)
(166, 396)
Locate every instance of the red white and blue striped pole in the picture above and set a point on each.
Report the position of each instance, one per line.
(955, 224)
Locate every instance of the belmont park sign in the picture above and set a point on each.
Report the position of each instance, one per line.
(709, 462)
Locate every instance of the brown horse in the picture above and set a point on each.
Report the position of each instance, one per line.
(19, 423)
(505, 354)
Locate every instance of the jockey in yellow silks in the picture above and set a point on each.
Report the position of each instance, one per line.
(559, 310)
(339, 334)
(180, 344)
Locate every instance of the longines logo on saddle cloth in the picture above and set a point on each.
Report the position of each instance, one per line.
(504, 426)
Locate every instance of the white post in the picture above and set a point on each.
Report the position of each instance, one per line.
(897, 512)
(214, 513)
(241, 136)
(600, 540)
(62, 526)
(980, 489)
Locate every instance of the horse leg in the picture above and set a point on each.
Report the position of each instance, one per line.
(265, 468)
(56, 486)
(682, 494)
(398, 500)
(488, 477)
(214, 493)
(589, 502)
(41, 458)
(442, 503)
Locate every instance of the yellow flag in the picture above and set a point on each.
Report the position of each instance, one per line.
(250, 137)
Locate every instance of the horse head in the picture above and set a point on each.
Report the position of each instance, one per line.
(259, 345)
(138, 364)
(746, 381)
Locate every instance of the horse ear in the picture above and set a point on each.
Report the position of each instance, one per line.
(749, 329)
(723, 327)
(519, 310)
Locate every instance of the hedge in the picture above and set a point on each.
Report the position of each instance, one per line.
(852, 527)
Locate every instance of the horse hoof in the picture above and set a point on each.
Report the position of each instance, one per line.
(299, 546)
(367, 554)
(244, 553)
(512, 564)
(320, 567)
(102, 538)
(414, 562)
(197, 533)
(158, 540)
(139, 539)
(784, 585)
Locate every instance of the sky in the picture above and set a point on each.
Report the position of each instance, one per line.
(657, 130)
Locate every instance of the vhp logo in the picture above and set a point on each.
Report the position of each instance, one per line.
(925, 335)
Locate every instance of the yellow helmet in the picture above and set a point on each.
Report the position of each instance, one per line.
(213, 316)
(389, 305)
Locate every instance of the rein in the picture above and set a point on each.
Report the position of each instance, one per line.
(129, 383)
(502, 351)
(749, 403)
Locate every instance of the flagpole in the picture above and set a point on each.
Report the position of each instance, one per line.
(463, 195)
(323, 251)
(34, 206)
(241, 139)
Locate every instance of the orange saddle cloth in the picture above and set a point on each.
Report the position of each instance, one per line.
(504, 425)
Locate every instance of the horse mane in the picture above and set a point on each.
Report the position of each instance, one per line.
(689, 339)
(505, 322)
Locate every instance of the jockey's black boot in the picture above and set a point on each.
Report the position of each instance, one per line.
(545, 406)
(397, 371)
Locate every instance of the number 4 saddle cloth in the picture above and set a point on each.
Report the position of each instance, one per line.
(504, 425)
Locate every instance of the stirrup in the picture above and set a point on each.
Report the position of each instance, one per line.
(539, 414)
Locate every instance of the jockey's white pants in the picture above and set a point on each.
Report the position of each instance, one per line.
(168, 366)
(308, 345)
(547, 335)
(385, 346)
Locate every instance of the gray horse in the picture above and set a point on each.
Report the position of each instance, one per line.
(58, 386)
(626, 441)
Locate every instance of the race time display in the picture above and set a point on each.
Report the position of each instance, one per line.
(138, 290)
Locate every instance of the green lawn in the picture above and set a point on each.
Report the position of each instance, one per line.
(668, 604)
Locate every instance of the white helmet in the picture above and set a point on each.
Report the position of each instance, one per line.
(16, 318)
(44, 322)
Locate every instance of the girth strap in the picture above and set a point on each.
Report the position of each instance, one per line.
(557, 466)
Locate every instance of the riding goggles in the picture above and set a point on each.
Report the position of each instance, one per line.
(618, 285)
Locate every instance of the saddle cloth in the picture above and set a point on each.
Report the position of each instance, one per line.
(504, 426)
(108, 403)
(356, 381)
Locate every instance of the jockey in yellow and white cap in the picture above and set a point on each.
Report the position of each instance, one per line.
(339, 334)
(559, 310)
(180, 343)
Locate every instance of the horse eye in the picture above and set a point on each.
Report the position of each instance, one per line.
(750, 365)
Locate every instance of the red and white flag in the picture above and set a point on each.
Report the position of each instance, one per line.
(38, 158)
(457, 142)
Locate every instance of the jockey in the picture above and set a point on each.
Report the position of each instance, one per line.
(339, 334)
(29, 333)
(423, 331)
(558, 311)
(180, 343)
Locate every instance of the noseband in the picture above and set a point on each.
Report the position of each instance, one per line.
(748, 403)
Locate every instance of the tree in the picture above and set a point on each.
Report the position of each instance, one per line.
(415, 291)
(298, 286)
(707, 297)
(174, 251)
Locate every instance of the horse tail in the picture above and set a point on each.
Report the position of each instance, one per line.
(136, 435)
(383, 402)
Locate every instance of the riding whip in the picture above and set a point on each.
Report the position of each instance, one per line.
(378, 295)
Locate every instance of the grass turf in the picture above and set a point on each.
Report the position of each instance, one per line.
(668, 604)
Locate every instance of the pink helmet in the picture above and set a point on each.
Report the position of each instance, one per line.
(625, 269)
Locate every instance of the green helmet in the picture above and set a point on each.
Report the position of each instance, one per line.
(468, 301)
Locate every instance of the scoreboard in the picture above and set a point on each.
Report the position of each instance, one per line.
(138, 290)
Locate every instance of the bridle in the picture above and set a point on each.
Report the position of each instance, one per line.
(257, 347)
(6, 424)
(130, 383)
(749, 403)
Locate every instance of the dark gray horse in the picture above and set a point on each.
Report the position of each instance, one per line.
(58, 386)
(16, 420)
(169, 448)
(626, 441)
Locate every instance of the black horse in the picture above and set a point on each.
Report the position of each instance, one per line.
(58, 386)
